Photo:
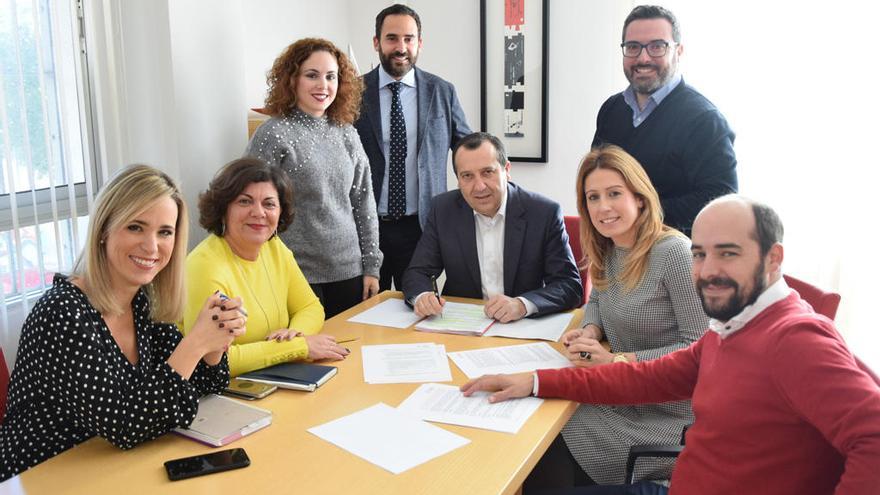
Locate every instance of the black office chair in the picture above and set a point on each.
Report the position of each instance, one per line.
(659, 450)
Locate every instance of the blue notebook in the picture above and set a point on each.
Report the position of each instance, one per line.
(295, 376)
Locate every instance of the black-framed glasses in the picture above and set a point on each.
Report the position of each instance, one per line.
(656, 48)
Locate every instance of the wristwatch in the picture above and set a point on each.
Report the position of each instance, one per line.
(619, 357)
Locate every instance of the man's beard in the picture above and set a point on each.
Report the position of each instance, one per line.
(649, 87)
(394, 70)
(738, 301)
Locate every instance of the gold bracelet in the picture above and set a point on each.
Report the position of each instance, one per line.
(619, 357)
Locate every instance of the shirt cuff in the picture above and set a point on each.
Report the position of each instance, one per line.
(534, 383)
(530, 306)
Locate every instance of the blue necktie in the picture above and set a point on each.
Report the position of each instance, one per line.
(397, 160)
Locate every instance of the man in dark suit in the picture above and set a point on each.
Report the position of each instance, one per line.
(495, 240)
(409, 121)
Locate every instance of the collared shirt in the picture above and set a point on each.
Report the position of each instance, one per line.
(490, 249)
(639, 115)
(771, 295)
(409, 100)
(490, 253)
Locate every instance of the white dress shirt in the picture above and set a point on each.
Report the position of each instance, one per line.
(771, 295)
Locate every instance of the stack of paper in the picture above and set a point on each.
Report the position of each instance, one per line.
(458, 318)
(391, 313)
(445, 404)
(549, 327)
(405, 363)
(389, 438)
(509, 359)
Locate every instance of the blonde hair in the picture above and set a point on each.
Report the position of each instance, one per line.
(649, 224)
(131, 191)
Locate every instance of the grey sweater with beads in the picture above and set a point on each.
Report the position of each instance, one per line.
(335, 231)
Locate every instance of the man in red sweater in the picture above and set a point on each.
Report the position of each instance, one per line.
(780, 405)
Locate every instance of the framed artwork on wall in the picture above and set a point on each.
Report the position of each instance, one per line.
(513, 70)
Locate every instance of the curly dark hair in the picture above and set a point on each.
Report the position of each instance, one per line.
(281, 97)
(231, 180)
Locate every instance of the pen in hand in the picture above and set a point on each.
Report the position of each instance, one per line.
(436, 293)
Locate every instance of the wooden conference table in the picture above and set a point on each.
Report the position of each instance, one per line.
(285, 458)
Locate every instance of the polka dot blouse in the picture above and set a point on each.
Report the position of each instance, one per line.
(72, 382)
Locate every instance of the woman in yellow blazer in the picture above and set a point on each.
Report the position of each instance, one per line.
(246, 205)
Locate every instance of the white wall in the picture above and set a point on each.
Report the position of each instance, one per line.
(272, 25)
(585, 65)
(208, 66)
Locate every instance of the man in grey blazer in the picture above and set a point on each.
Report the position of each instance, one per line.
(495, 240)
(409, 121)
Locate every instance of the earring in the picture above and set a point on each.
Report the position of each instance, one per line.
(222, 228)
(275, 234)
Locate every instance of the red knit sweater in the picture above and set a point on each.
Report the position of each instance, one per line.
(780, 406)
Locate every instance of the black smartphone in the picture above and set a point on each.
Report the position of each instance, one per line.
(197, 465)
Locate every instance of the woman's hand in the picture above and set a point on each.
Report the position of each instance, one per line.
(219, 322)
(371, 286)
(284, 334)
(323, 346)
(587, 352)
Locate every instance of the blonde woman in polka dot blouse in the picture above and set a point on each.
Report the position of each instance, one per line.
(95, 357)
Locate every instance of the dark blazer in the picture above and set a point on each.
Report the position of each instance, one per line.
(538, 263)
(441, 125)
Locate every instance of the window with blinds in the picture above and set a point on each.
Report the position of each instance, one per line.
(47, 167)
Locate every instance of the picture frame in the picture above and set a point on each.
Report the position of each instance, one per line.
(513, 75)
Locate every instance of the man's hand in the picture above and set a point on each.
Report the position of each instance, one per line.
(505, 309)
(427, 304)
(505, 386)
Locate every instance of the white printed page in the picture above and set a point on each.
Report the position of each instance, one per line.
(405, 363)
(462, 318)
(389, 438)
(509, 359)
(391, 313)
(549, 327)
(446, 404)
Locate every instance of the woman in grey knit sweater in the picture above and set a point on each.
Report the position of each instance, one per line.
(643, 303)
(314, 97)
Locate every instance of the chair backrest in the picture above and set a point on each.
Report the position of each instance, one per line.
(573, 226)
(824, 303)
(4, 385)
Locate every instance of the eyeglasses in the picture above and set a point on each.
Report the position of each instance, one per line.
(656, 48)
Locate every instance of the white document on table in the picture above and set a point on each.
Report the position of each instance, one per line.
(446, 404)
(406, 363)
(389, 438)
(549, 327)
(390, 313)
(509, 359)
(458, 318)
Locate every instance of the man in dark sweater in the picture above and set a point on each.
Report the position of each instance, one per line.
(679, 137)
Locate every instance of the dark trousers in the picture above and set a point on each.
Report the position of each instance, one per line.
(558, 473)
(641, 488)
(557, 469)
(336, 297)
(397, 241)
